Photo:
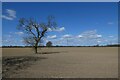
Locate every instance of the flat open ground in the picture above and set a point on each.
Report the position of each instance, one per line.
(68, 62)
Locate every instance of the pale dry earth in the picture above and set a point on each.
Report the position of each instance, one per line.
(68, 62)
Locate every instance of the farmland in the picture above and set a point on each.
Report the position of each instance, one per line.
(63, 62)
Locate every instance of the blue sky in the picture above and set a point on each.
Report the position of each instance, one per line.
(79, 23)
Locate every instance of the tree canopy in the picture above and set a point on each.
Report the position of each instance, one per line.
(35, 31)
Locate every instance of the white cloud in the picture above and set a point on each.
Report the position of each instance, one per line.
(92, 34)
(90, 37)
(22, 41)
(61, 29)
(99, 36)
(19, 33)
(79, 36)
(11, 14)
(46, 40)
(110, 23)
(57, 29)
(12, 39)
(66, 36)
(6, 17)
(98, 41)
(49, 29)
(52, 37)
(111, 36)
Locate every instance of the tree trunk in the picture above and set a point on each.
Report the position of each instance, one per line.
(36, 46)
(36, 50)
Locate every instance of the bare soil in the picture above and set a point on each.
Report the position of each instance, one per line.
(62, 62)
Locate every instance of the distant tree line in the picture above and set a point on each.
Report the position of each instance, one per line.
(49, 44)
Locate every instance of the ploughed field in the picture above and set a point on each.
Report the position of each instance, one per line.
(61, 62)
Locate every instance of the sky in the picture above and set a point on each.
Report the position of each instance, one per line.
(79, 23)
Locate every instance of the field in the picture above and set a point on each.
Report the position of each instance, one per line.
(62, 62)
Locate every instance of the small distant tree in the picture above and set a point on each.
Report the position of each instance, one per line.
(49, 44)
(35, 31)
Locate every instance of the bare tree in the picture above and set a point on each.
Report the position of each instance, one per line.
(35, 31)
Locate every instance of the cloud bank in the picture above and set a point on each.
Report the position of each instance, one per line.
(57, 29)
(10, 14)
